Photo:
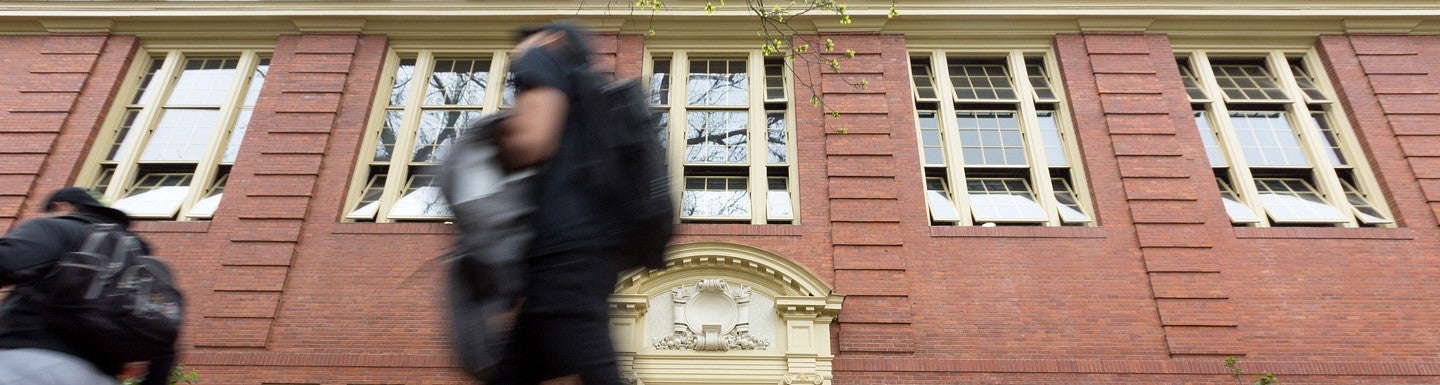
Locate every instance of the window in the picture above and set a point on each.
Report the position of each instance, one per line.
(428, 99)
(996, 150)
(1277, 141)
(175, 133)
(723, 101)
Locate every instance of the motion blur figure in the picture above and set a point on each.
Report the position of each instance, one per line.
(562, 327)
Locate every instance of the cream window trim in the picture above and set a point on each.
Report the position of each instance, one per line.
(1322, 174)
(1038, 170)
(756, 168)
(401, 168)
(125, 168)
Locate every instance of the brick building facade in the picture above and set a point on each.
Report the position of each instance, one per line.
(1157, 285)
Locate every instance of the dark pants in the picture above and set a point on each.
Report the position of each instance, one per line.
(564, 325)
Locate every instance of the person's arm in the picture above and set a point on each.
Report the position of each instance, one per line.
(28, 249)
(532, 133)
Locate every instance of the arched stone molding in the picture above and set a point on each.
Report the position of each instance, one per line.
(723, 313)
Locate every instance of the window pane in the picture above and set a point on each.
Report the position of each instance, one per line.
(1247, 82)
(1364, 210)
(778, 200)
(931, 144)
(204, 82)
(660, 83)
(1238, 212)
(389, 132)
(1294, 201)
(715, 197)
(924, 78)
(507, 94)
(457, 82)
(438, 131)
(181, 135)
(990, 138)
(1039, 80)
(776, 136)
(205, 208)
(144, 95)
(155, 196)
(257, 80)
(1337, 156)
(774, 80)
(403, 76)
(122, 137)
(370, 199)
(237, 135)
(1003, 200)
(1212, 143)
(937, 196)
(102, 181)
(1307, 83)
(663, 121)
(718, 83)
(717, 137)
(981, 81)
(422, 200)
(1070, 210)
(1050, 134)
(1267, 139)
(1192, 87)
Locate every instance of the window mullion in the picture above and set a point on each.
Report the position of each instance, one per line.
(495, 84)
(1242, 182)
(950, 138)
(1034, 146)
(205, 169)
(759, 184)
(396, 179)
(679, 125)
(127, 164)
(1326, 181)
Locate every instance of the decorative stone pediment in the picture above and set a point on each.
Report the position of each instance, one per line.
(711, 315)
(724, 313)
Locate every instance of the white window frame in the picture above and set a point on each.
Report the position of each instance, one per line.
(126, 165)
(398, 168)
(1039, 175)
(758, 164)
(1322, 174)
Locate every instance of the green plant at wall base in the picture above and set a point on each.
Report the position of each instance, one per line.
(178, 376)
(1263, 378)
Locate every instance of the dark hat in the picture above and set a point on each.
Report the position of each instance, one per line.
(83, 201)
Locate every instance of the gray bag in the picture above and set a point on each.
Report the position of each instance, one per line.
(493, 209)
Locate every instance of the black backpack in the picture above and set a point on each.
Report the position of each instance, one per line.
(629, 178)
(112, 299)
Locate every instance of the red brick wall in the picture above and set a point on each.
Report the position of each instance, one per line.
(283, 293)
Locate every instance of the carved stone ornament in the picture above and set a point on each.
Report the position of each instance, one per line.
(711, 315)
(802, 379)
(629, 378)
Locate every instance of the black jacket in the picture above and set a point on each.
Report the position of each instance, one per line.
(26, 254)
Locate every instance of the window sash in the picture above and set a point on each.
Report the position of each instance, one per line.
(1294, 200)
(1004, 200)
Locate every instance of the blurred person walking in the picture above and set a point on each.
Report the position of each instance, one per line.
(42, 344)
